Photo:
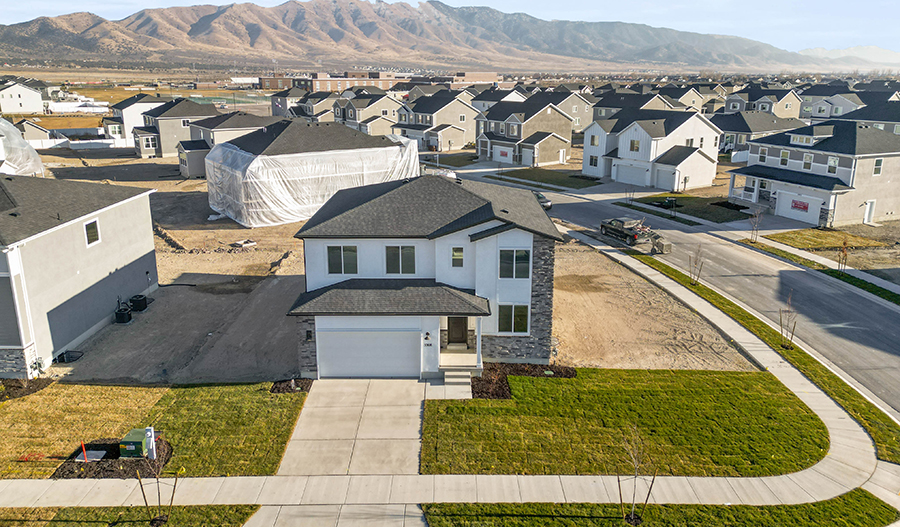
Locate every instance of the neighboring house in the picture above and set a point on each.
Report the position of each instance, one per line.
(18, 98)
(836, 106)
(687, 97)
(206, 133)
(484, 100)
(362, 90)
(783, 103)
(370, 114)
(671, 150)
(283, 101)
(167, 125)
(439, 122)
(884, 116)
(574, 103)
(816, 93)
(523, 133)
(404, 275)
(829, 174)
(316, 107)
(70, 252)
(740, 128)
(610, 104)
(424, 90)
(32, 131)
(129, 113)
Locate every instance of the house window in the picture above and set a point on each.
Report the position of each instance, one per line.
(832, 165)
(701, 142)
(515, 263)
(402, 117)
(729, 139)
(878, 163)
(115, 129)
(593, 161)
(92, 232)
(763, 107)
(763, 184)
(635, 145)
(836, 110)
(462, 118)
(821, 110)
(787, 106)
(763, 152)
(897, 129)
(595, 139)
(149, 142)
(879, 126)
(807, 161)
(384, 113)
(400, 259)
(807, 109)
(576, 121)
(342, 259)
(512, 319)
(742, 138)
(513, 129)
(456, 257)
(785, 155)
(689, 142)
(734, 106)
(716, 141)
(185, 123)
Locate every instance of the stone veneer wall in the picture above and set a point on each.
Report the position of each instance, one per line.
(12, 364)
(536, 347)
(306, 348)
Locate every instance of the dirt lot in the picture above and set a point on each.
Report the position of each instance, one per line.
(606, 316)
(882, 262)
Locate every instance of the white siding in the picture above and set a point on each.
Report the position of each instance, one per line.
(632, 133)
(370, 259)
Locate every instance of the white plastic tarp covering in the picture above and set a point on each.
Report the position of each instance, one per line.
(17, 157)
(258, 191)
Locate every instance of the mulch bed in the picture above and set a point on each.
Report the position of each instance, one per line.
(493, 383)
(112, 466)
(15, 388)
(291, 386)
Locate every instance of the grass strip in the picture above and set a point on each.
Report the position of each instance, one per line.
(857, 508)
(880, 292)
(883, 430)
(699, 207)
(182, 516)
(660, 213)
(816, 238)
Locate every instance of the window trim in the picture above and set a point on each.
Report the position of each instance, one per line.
(634, 145)
(514, 251)
(461, 259)
(400, 259)
(512, 321)
(343, 259)
(807, 159)
(834, 166)
(784, 160)
(84, 225)
(185, 123)
(763, 154)
(878, 167)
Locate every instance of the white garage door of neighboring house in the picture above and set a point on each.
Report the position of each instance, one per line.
(798, 207)
(367, 353)
(527, 157)
(665, 179)
(631, 175)
(503, 154)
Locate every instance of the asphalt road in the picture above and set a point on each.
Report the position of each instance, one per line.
(858, 333)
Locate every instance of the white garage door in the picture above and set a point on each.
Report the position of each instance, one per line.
(798, 207)
(631, 175)
(527, 157)
(503, 154)
(367, 353)
(665, 179)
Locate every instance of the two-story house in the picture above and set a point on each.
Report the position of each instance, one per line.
(783, 103)
(816, 93)
(578, 106)
(611, 103)
(687, 97)
(884, 116)
(17, 98)
(741, 127)
(424, 90)
(283, 101)
(207, 133)
(403, 277)
(835, 106)
(671, 150)
(129, 113)
(439, 122)
(316, 107)
(523, 133)
(370, 114)
(167, 125)
(829, 174)
(484, 100)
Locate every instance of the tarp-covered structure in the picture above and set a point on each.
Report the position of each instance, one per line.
(257, 183)
(17, 157)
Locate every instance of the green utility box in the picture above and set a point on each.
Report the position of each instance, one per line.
(134, 444)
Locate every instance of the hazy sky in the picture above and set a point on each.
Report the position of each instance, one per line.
(788, 24)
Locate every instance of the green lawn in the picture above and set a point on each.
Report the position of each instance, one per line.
(857, 508)
(661, 213)
(226, 430)
(695, 423)
(456, 160)
(699, 207)
(549, 177)
(822, 239)
(191, 516)
(884, 431)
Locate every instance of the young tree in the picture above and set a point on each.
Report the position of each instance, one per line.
(695, 264)
(787, 321)
(843, 255)
(755, 222)
(639, 465)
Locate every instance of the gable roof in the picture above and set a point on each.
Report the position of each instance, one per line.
(885, 112)
(554, 97)
(182, 108)
(657, 123)
(795, 177)
(31, 205)
(366, 100)
(824, 90)
(625, 100)
(494, 95)
(754, 122)
(751, 94)
(431, 104)
(235, 120)
(847, 137)
(297, 137)
(676, 155)
(319, 96)
(425, 207)
(291, 92)
(523, 111)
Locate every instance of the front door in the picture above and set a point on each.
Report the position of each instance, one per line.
(457, 330)
(870, 211)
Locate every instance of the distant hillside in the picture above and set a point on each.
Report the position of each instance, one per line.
(870, 54)
(333, 33)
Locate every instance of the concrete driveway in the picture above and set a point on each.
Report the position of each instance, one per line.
(358, 426)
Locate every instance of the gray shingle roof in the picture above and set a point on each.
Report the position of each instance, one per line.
(235, 120)
(754, 122)
(141, 97)
(792, 176)
(30, 205)
(431, 104)
(675, 155)
(425, 207)
(182, 108)
(657, 123)
(197, 144)
(848, 138)
(887, 112)
(522, 110)
(492, 95)
(296, 137)
(291, 93)
(145, 130)
(394, 297)
(624, 100)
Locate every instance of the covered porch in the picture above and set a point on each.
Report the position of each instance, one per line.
(460, 345)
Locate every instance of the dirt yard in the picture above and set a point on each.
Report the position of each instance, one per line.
(883, 262)
(606, 316)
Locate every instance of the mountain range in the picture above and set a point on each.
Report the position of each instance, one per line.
(322, 34)
(872, 54)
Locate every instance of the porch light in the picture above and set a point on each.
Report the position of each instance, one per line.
(427, 336)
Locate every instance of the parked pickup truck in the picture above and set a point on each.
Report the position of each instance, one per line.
(631, 231)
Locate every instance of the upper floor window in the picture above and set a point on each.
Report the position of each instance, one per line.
(735, 106)
(879, 126)
(456, 257)
(763, 153)
(400, 259)
(742, 138)
(689, 142)
(878, 164)
(807, 161)
(342, 259)
(821, 110)
(384, 113)
(763, 107)
(513, 129)
(807, 109)
(92, 232)
(785, 156)
(635, 145)
(832, 165)
(515, 263)
(836, 110)
(185, 123)
(462, 118)
(787, 106)
(897, 128)
(595, 140)
(576, 121)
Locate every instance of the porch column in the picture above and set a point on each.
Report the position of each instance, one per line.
(731, 187)
(478, 363)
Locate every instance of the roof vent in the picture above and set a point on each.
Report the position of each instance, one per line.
(9, 179)
(14, 214)
(504, 211)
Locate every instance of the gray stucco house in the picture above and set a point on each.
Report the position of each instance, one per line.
(207, 133)
(167, 125)
(416, 277)
(70, 250)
